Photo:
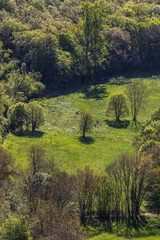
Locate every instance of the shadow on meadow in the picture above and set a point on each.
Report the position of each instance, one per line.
(86, 140)
(36, 134)
(119, 124)
(127, 228)
(95, 92)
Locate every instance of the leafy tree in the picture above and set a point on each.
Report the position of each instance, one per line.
(36, 115)
(38, 50)
(117, 104)
(153, 197)
(14, 228)
(94, 44)
(118, 44)
(86, 122)
(17, 116)
(156, 115)
(4, 127)
(21, 86)
(137, 94)
(148, 141)
(6, 164)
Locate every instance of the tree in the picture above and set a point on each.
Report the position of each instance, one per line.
(17, 115)
(36, 115)
(156, 115)
(36, 158)
(137, 94)
(104, 197)
(6, 164)
(118, 44)
(14, 228)
(130, 179)
(39, 161)
(117, 104)
(85, 190)
(86, 122)
(94, 43)
(153, 198)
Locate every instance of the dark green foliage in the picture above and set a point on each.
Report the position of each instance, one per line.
(17, 116)
(64, 40)
(35, 115)
(30, 114)
(14, 228)
(6, 164)
(153, 197)
(156, 115)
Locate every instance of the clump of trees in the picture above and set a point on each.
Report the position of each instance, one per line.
(118, 193)
(137, 95)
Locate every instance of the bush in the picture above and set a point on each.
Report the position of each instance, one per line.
(14, 228)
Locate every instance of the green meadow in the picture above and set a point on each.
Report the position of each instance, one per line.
(61, 137)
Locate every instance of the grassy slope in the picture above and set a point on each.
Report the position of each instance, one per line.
(61, 136)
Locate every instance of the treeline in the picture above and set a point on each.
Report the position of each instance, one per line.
(68, 42)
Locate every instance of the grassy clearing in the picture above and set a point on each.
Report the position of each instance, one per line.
(61, 137)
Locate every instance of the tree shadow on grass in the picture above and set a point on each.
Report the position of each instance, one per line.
(36, 134)
(86, 140)
(95, 92)
(118, 124)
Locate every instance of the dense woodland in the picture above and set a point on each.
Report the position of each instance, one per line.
(47, 45)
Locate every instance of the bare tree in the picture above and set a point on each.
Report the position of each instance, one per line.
(85, 190)
(137, 94)
(86, 122)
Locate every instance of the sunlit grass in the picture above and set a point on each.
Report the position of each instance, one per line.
(60, 136)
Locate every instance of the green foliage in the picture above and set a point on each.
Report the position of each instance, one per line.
(156, 115)
(6, 164)
(39, 51)
(94, 45)
(35, 115)
(64, 40)
(60, 136)
(117, 104)
(14, 228)
(29, 114)
(17, 116)
(22, 86)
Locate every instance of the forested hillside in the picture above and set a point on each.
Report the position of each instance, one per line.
(67, 42)
(79, 119)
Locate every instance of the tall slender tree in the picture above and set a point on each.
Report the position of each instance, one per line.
(93, 41)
